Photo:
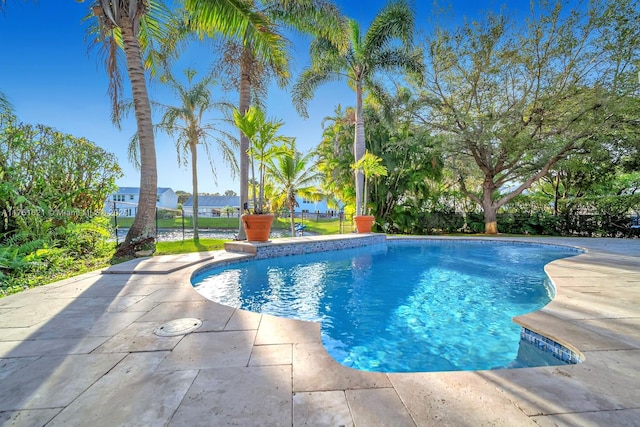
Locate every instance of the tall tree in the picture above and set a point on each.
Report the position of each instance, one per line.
(256, 64)
(6, 109)
(411, 155)
(293, 173)
(386, 46)
(516, 99)
(185, 122)
(335, 155)
(120, 23)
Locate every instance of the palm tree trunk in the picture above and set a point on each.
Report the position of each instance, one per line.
(359, 148)
(245, 102)
(194, 183)
(144, 223)
(293, 219)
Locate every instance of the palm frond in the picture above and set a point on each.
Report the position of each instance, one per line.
(320, 18)
(237, 19)
(395, 21)
(308, 82)
(409, 61)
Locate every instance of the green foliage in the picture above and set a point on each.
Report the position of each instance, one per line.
(265, 143)
(35, 257)
(292, 173)
(52, 192)
(50, 176)
(515, 98)
(370, 166)
(335, 156)
(166, 214)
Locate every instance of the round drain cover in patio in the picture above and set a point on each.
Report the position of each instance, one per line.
(178, 327)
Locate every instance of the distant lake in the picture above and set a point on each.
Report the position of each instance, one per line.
(225, 234)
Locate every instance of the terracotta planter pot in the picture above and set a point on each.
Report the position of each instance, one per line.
(257, 227)
(364, 223)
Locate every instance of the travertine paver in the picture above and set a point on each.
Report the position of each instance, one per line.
(457, 399)
(54, 381)
(86, 324)
(208, 350)
(246, 369)
(28, 418)
(626, 331)
(50, 347)
(315, 370)
(553, 390)
(10, 365)
(243, 320)
(276, 354)
(276, 330)
(256, 396)
(381, 407)
(576, 333)
(133, 393)
(321, 408)
(617, 418)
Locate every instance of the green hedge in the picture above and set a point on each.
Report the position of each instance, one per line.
(588, 217)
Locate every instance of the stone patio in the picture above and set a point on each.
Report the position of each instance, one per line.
(82, 352)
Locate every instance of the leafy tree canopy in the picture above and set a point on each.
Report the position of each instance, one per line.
(513, 100)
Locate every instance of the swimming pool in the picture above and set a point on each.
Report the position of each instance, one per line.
(403, 306)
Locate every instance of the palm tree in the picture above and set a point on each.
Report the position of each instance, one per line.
(317, 17)
(186, 122)
(377, 50)
(293, 173)
(121, 21)
(125, 23)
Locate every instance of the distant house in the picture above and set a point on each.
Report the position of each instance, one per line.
(210, 206)
(309, 206)
(125, 201)
(213, 206)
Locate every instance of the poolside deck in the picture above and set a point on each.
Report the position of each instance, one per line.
(83, 352)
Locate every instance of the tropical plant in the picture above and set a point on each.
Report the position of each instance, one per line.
(125, 24)
(263, 139)
(410, 154)
(293, 173)
(335, 155)
(185, 122)
(257, 62)
(228, 211)
(370, 166)
(46, 175)
(386, 46)
(52, 192)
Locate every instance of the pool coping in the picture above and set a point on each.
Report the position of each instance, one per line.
(260, 370)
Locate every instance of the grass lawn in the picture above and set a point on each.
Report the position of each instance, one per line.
(314, 225)
(178, 223)
(186, 246)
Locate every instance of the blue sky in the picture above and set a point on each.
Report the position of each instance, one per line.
(51, 78)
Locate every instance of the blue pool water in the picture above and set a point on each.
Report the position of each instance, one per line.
(404, 306)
